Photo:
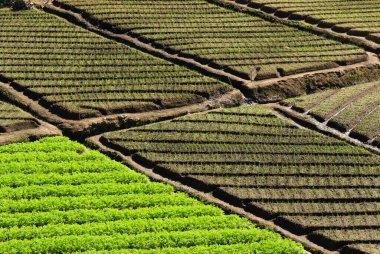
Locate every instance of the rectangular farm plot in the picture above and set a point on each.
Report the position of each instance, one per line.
(355, 109)
(78, 74)
(353, 17)
(57, 196)
(305, 181)
(219, 37)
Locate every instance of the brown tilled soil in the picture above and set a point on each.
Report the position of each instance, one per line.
(28, 131)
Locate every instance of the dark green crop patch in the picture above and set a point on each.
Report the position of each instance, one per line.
(306, 182)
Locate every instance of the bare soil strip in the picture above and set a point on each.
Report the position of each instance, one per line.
(80, 129)
(185, 185)
(301, 22)
(311, 122)
(264, 91)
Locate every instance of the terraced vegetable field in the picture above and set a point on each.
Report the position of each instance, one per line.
(309, 183)
(354, 110)
(151, 83)
(355, 17)
(236, 42)
(77, 74)
(57, 196)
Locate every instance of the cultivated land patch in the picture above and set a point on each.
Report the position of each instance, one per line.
(17, 125)
(306, 182)
(356, 18)
(352, 110)
(77, 74)
(234, 41)
(57, 196)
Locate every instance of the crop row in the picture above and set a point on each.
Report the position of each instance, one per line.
(82, 59)
(193, 28)
(81, 216)
(314, 208)
(224, 148)
(355, 109)
(251, 248)
(258, 169)
(229, 137)
(290, 158)
(57, 196)
(303, 180)
(81, 243)
(94, 202)
(314, 194)
(136, 226)
(74, 178)
(288, 181)
(52, 190)
(78, 164)
(357, 240)
(332, 221)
